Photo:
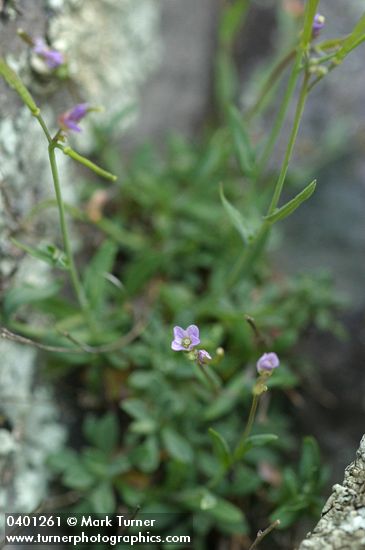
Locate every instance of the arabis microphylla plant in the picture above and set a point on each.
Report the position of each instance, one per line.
(69, 120)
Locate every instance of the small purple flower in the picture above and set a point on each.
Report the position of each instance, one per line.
(52, 58)
(267, 362)
(203, 357)
(318, 24)
(69, 119)
(185, 340)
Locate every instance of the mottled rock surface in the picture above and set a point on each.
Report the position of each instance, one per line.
(105, 68)
(342, 524)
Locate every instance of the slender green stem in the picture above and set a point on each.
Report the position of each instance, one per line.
(240, 446)
(301, 52)
(262, 534)
(210, 380)
(280, 117)
(270, 82)
(66, 240)
(246, 433)
(44, 127)
(247, 261)
(289, 150)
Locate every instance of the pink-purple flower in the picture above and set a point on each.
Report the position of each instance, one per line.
(203, 357)
(52, 57)
(185, 340)
(267, 362)
(318, 24)
(70, 119)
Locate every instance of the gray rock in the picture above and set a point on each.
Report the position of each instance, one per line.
(342, 524)
(107, 68)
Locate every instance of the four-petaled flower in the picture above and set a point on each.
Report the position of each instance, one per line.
(203, 357)
(267, 362)
(52, 58)
(69, 119)
(318, 24)
(185, 340)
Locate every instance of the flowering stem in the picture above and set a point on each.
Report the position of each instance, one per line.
(247, 261)
(279, 121)
(262, 534)
(44, 127)
(251, 418)
(66, 240)
(270, 82)
(210, 379)
(289, 150)
(302, 52)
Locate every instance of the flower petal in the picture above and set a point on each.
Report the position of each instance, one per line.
(274, 359)
(193, 332)
(176, 346)
(179, 333)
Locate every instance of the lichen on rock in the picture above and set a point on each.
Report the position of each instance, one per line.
(29, 430)
(112, 46)
(342, 524)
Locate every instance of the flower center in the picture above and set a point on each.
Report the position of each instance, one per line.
(186, 342)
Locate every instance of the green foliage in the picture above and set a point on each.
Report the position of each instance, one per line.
(242, 143)
(49, 254)
(288, 208)
(300, 492)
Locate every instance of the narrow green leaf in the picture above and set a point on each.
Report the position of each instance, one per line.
(291, 206)
(235, 218)
(177, 446)
(310, 12)
(352, 40)
(310, 461)
(102, 432)
(227, 514)
(47, 253)
(136, 408)
(95, 282)
(232, 19)
(287, 514)
(147, 455)
(103, 499)
(221, 448)
(253, 441)
(18, 296)
(86, 162)
(226, 81)
(14, 82)
(242, 144)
